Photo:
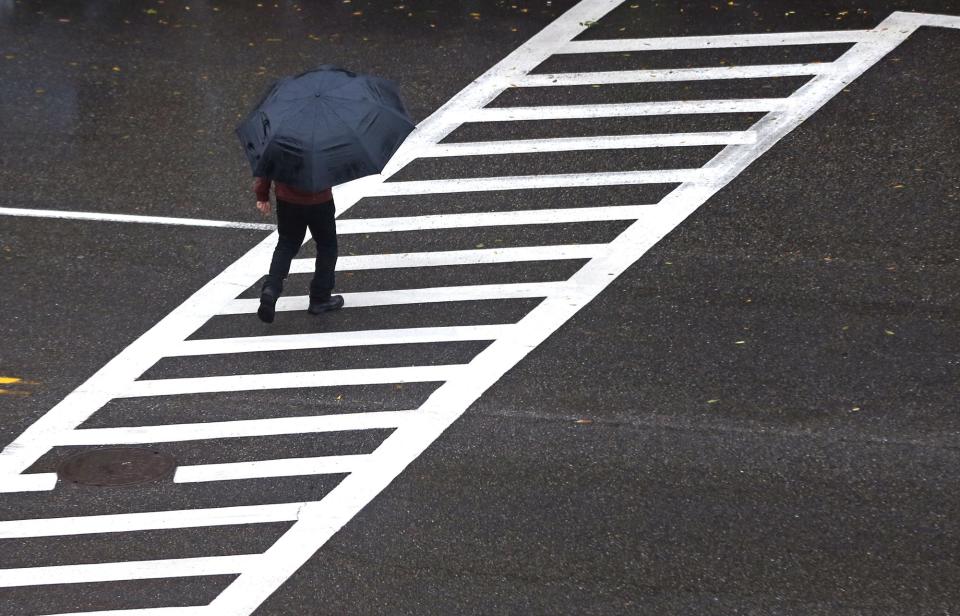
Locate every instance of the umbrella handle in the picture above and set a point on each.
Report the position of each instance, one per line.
(265, 124)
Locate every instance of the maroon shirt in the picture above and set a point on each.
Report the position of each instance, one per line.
(287, 193)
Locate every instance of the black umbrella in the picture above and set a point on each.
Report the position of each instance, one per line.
(324, 127)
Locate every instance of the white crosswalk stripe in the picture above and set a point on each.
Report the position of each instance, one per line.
(135, 570)
(286, 380)
(456, 257)
(412, 430)
(492, 219)
(622, 110)
(672, 74)
(411, 296)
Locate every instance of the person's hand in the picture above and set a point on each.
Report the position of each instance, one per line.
(264, 207)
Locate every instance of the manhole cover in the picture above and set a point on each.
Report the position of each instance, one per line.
(118, 466)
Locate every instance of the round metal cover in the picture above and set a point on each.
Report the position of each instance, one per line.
(118, 466)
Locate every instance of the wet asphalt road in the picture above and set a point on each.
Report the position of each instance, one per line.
(771, 389)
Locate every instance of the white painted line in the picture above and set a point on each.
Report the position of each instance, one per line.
(527, 182)
(195, 610)
(150, 520)
(155, 220)
(520, 290)
(132, 570)
(288, 380)
(765, 39)
(569, 144)
(455, 257)
(756, 71)
(170, 433)
(917, 20)
(285, 467)
(619, 110)
(33, 482)
(493, 219)
(329, 340)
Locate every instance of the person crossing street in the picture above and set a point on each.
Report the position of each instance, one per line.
(310, 132)
(296, 212)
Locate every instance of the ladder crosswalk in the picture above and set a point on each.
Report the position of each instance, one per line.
(412, 430)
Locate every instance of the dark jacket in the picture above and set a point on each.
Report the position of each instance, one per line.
(284, 192)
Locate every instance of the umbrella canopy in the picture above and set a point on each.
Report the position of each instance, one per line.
(324, 127)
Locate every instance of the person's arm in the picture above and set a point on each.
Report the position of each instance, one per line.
(261, 186)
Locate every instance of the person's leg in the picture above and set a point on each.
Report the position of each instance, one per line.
(323, 227)
(291, 228)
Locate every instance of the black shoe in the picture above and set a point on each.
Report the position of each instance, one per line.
(333, 302)
(269, 292)
(268, 306)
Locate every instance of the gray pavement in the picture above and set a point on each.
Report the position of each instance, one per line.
(758, 417)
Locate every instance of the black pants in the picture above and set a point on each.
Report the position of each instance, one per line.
(292, 223)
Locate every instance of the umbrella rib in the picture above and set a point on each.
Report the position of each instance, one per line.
(363, 147)
(313, 139)
(339, 87)
(284, 119)
(380, 106)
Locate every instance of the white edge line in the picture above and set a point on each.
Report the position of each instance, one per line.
(194, 610)
(156, 220)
